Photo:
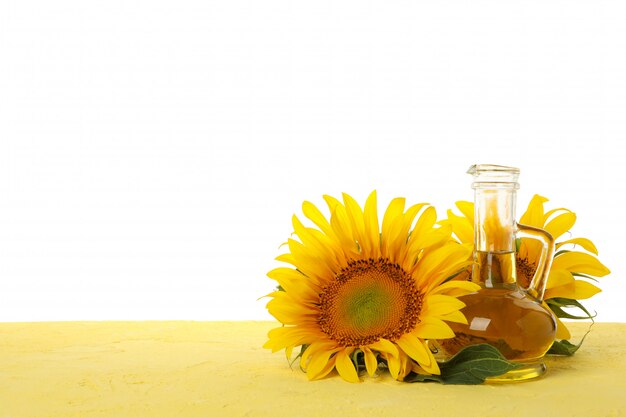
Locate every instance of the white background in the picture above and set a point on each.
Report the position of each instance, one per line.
(152, 153)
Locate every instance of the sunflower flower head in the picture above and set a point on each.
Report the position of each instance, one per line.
(571, 269)
(355, 288)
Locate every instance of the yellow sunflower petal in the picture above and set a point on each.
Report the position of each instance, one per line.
(393, 363)
(562, 331)
(585, 243)
(461, 227)
(313, 244)
(384, 345)
(332, 244)
(439, 264)
(580, 262)
(313, 349)
(288, 311)
(433, 366)
(455, 317)
(425, 221)
(456, 288)
(286, 257)
(406, 366)
(414, 347)
(559, 277)
(371, 364)
(533, 216)
(398, 241)
(295, 283)
(560, 224)
(428, 240)
(438, 304)
(340, 223)
(549, 213)
(316, 216)
(432, 328)
(318, 365)
(418, 351)
(391, 222)
(372, 228)
(355, 215)
(282, 337)
(578, 290)
(313, 267)
(404, 248)
(331, 202)
(345, 367)
(330, 365)
(467, 208)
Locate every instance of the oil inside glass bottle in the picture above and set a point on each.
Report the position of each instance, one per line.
(502, 314)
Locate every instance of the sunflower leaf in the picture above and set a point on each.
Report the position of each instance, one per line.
(557, 305)
(471, 366)
(565, 347)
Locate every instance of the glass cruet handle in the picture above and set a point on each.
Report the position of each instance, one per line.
(537, 286)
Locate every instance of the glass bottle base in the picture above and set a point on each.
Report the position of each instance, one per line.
(526, 372)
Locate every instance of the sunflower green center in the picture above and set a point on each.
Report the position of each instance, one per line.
(368, 300)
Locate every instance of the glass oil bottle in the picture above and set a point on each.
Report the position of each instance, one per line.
(506, 313)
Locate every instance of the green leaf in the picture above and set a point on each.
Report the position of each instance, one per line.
(557, 305)
(413, 377)
(565, 347)
(471, 366)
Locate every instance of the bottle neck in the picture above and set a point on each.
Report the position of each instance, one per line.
(494, 235)
(494, 219)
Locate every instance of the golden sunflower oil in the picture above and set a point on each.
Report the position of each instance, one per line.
(502, 315)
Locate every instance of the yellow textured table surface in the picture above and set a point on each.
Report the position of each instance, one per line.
(219, 369)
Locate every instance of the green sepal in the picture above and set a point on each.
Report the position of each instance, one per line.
(451, 277)
(471, 366)
(577, 274)
(358, 359)
(302, 349)
(561, 251)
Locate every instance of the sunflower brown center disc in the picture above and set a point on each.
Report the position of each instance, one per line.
(368, 300)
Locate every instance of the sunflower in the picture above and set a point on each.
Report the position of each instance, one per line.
(354, 290)
(570, 269)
